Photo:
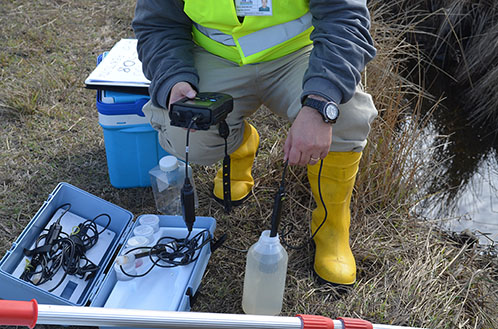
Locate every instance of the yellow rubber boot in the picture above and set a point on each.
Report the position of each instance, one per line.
(241, 181)
(334, 261)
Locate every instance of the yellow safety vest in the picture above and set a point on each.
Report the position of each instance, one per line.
(259, 38)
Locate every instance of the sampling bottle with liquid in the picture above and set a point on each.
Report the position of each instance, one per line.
(264, 280)
(167, 180)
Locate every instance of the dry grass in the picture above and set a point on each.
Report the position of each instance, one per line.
(408, 273)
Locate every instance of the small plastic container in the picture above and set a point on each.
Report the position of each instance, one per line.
(264, 280)
(125, 263)
(167, 181)
(151, 220)
(145, 231)
(137, 241)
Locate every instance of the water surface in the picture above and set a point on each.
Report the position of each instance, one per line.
(465, 191)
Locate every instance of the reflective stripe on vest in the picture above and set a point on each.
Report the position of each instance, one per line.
(261, 40)
(216, 35)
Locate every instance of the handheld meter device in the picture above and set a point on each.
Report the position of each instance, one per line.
(203, 111)
(209, 109)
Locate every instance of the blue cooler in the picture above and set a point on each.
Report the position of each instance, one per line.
(131, 144)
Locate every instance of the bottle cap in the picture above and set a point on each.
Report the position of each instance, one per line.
(168, 163)
(267, 238)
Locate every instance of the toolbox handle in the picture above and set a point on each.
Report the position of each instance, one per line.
(18, 313)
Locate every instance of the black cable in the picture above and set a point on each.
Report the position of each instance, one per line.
(284, 233)
(321, 200)
(192, 121)
(63, 213)
(171, 252)
(41, 254)
(224, 132)
(64, 251)
(277, 204)
(187, 194)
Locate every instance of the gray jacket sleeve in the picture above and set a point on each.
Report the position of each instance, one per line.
(342, 46)
(164, 34)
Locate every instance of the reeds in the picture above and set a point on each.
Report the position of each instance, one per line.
(461, 39)
(392, 166)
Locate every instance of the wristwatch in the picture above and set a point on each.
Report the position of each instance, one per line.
(328, 110)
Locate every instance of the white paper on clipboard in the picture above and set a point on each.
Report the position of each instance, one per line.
(120, 67)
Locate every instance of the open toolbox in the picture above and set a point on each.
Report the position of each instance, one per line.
(163, 288)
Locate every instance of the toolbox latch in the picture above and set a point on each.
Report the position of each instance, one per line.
(14, 245)
(126, 233)
(192, 297)
(96, 289)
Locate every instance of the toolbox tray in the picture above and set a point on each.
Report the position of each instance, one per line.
(167, 289)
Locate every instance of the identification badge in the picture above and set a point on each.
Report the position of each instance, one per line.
(253, 7)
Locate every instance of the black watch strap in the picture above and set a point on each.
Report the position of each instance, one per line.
(321, 107)
(314, 103)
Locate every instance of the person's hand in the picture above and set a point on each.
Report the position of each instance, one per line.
(179, 91)
(309, 138)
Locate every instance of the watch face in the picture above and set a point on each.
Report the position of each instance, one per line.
(331, 111)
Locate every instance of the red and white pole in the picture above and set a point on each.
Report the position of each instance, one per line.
(24, 313)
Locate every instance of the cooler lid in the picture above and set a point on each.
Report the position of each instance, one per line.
(123, 105)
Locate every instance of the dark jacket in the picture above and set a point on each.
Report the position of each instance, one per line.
(342, 46)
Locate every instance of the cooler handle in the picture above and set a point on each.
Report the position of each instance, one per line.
(133, 130)
(18, 313)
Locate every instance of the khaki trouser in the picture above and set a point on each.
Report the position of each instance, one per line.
(276, 84)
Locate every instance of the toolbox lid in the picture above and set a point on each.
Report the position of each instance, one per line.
(83, 206)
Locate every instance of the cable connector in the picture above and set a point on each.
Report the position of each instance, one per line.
(53, 233)
(223, 129)
(215, 244)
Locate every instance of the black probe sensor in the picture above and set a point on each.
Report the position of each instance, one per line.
(277, 205)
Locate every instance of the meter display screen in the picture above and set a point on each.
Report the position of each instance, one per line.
(200, 102)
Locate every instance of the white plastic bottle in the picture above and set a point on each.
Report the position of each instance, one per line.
(264, 280)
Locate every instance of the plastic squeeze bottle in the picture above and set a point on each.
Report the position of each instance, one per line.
(166, 181)
(264, 280)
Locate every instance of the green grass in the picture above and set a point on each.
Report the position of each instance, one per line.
(408, 272)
